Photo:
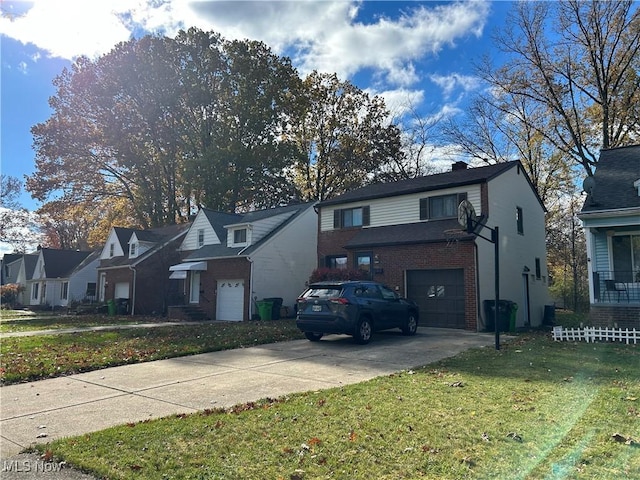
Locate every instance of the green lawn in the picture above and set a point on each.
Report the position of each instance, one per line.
(536, 409)
(12, 323)
(44, 356)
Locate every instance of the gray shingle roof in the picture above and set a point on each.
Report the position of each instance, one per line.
(423, 232)
(219, 220)
(615, 173)
(61, 263)
(438, 181)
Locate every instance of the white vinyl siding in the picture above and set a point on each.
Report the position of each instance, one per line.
(398, 210)
(257, 230)
(201, 222)
(112, 243)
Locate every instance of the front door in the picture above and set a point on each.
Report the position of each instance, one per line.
(194, 290)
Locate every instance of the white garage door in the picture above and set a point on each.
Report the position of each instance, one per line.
(122, 290)
(230, 304)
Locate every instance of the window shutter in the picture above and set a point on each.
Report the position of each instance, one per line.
(337, 217)
(365, 215)
(424, 209)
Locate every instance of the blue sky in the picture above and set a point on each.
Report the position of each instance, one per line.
(412, 52)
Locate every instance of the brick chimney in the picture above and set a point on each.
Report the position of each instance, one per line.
(459, 166)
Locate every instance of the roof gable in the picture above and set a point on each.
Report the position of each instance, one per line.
(61, 263)
(617, 171)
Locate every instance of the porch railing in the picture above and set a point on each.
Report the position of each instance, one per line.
(616, 286)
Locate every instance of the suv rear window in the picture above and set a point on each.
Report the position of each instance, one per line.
(323, 292)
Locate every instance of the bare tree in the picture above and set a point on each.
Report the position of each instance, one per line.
(18, 226)
(578, 62)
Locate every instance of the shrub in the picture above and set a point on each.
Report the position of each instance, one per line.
(9, 294)
(323, 274)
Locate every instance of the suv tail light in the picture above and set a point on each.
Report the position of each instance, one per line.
(340, 300)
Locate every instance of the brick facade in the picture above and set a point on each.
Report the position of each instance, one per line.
(619, 315)
(222, 269)
(394, 260)
(153, 289)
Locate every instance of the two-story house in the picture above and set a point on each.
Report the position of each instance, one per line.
(230, 261)
(406, 234)
(133, 266)
(611, 221)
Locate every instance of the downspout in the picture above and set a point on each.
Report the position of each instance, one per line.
(250, 282)
(250, 288)
(478, 306)
(133, 290)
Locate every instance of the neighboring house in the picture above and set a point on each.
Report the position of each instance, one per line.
(17, 269)
(9, 272)
(26, 265)
(61, 277)
(611, 220)
(133, 266)
(406, 234)
(231, 260)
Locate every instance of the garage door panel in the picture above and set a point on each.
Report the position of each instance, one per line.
(230, 301)
(440, 296)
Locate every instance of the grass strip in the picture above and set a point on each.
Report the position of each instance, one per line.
(25, 359)
(536, 409)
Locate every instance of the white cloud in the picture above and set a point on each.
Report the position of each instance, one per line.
(317, 35)
(453, 82)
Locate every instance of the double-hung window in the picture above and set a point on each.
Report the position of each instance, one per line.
(240, 236)
(351, 217)
(441, 206)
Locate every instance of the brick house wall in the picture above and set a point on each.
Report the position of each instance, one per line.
(222, 269)
(619, 316)
(395, 260)
(153, 288)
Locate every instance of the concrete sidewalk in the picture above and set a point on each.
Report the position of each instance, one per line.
(67, 406)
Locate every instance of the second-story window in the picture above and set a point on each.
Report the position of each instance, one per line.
(240, 236)
(351, 217)
(441, 206)
(519, 220)
(112, 249)
(200, 237)
(133, 250)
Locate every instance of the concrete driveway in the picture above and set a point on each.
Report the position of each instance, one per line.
(67, 406)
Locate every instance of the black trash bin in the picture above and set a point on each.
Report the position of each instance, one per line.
(122, 306)
(277, 305)
(549, 315)
(505, 308)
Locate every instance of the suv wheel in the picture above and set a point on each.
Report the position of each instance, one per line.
(363, 332)
(313, 336)
(411, 327)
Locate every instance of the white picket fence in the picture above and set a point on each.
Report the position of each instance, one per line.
(596, 334)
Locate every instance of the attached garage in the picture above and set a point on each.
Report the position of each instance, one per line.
(440, 296)
(230, 300)
(122, 290)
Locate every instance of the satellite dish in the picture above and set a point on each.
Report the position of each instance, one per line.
(588, 185)
(465, 211)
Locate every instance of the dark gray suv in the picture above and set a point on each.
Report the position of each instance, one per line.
(356, 308)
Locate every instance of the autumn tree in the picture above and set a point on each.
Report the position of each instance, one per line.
(168, 125)
(342, 136)
(236, 108)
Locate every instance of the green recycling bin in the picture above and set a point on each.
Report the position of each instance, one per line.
(264, 309)
(512, 316)
(111, 307)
